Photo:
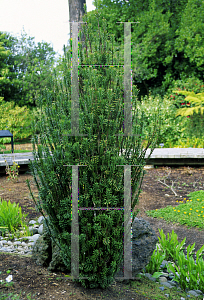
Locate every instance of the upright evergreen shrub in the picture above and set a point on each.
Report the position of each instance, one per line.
(101, 181)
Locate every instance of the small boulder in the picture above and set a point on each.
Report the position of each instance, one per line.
(144, 240)
(46, 252)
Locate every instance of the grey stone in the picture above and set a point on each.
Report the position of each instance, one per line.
(34, 237)
(33, 230)
(40, 219)
(32, 222)
(40, 229)
(144, 240)
(46, 252)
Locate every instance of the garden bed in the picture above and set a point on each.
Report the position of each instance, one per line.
(28, 277)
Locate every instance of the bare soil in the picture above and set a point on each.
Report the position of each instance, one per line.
(27, 146)
(31, 278)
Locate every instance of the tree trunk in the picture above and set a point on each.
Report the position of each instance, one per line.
(76, 11)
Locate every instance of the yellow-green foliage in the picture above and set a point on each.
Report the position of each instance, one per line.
(193, 143)
(15, 119)
(197, 99)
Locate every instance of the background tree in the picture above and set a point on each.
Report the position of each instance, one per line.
(26, 68)
(157, 59)
(35, 64)
(9, 83)
(190, 38)
(76, 11)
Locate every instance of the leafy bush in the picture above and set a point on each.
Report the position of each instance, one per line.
(172, 128)
(194, 124)
(97, 148)
(15, 119)
(186, 143)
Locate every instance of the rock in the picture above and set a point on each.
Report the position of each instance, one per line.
(47, 254)
(144, 240)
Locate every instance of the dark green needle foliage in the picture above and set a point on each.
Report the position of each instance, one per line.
(101, 181)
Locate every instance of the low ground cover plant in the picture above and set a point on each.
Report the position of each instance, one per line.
(190, 274)
(191, 214)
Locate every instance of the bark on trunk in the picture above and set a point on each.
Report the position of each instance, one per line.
(76, 11)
